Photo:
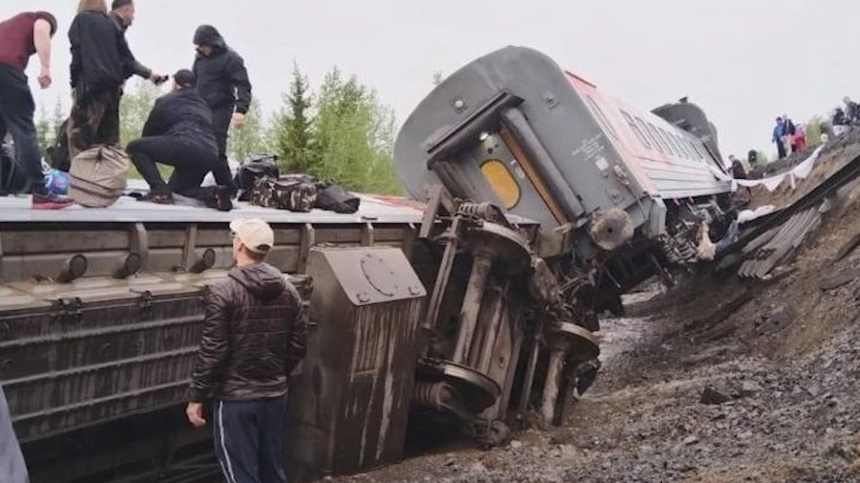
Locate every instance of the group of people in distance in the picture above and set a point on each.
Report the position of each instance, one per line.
(789, 137)
(844, 117)
(187, 129)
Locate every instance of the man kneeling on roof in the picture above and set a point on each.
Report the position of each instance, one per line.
(178, 133)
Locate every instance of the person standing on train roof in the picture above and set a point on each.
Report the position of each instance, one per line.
(254, 337)
(101, 60)
(222, 80)
(122, 12)
(778, 136)
(21, 37)
(12, 466)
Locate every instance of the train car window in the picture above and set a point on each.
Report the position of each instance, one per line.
(660, 141)
(668, 141)
(601, 118)
(502, 182)
(638, 132)
(696, 149)
(687, 152)
(650, 135)
(699, 150)
(674, 142)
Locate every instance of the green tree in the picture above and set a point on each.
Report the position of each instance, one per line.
(44, 133)
(813, 131)
(251, 138)
(293, 126)
(136, 104)
(59, 115)
(354, 137)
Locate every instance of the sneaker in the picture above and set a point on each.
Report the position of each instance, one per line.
(50, 201)
(223, 198)
(158, 197)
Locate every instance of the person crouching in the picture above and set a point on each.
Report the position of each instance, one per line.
(177, 133)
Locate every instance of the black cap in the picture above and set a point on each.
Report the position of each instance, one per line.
(117, 4)
(185, 78)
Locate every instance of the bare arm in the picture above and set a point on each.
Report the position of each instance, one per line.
(42, 40)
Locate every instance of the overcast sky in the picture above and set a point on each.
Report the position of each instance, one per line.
(744, 61)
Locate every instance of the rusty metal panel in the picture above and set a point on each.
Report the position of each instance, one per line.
(97, 354)
(349, 407)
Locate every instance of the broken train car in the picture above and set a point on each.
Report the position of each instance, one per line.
(545, 200)
(620, 196)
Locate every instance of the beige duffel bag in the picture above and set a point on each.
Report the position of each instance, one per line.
(99, 176)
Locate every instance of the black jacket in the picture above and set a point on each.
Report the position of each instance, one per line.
(183, 114)
(221, 77)
(135, 68)
(100, 54)
(254, 336)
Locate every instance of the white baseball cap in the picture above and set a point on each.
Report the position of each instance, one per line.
(255, 234)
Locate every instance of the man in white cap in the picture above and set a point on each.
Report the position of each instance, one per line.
(254, 336)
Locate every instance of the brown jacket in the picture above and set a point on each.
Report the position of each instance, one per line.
(254, 336)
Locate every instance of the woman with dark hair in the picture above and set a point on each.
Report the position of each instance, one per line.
(100, 61)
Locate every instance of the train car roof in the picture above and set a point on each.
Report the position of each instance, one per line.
(373, 209)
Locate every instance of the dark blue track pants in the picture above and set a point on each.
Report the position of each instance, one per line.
(249, 440)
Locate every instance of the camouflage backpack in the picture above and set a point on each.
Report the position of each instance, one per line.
(292, 195)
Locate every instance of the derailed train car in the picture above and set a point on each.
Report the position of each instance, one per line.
(545, 200)
(608, 184)
(620, 195)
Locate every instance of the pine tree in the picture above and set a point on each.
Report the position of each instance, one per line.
(137, 102)
(44, 134)
(355, 137)
(294, 126)
(251, 138)
(58, 118)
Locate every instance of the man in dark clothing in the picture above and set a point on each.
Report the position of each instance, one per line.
(738, 169)
(852, 111)
(223, 81)
(21, 37)
(254, 336)
(178, 133)
(779, 134)
(101, 60)
(12, 466)
(122, 12)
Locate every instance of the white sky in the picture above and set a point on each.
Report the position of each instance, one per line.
(744, 61)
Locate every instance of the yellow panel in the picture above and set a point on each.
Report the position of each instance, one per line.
(502, 182)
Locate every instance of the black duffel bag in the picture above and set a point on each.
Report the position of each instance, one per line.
(334, 198)
(255, 168)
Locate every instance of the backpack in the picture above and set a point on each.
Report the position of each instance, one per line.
(58, 153)
(99, 176)
(254, 169)
(291, 195)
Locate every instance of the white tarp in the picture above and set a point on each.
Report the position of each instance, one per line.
(801, 171)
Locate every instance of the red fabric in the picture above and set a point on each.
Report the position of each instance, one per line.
(799, 142)
(16, 38)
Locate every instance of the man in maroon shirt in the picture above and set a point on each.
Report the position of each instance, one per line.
(20, 37)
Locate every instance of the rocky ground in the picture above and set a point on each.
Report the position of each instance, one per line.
(716, 381)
